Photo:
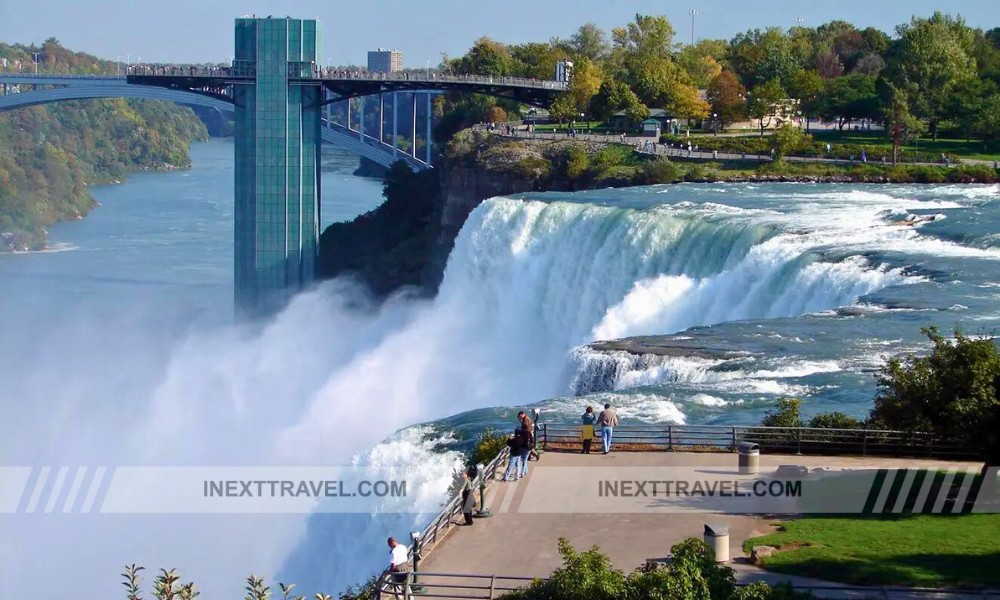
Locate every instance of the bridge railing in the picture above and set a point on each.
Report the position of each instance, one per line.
(312, 71)
(800, 440)
(457, 586)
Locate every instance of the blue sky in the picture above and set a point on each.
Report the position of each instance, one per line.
(201, 30)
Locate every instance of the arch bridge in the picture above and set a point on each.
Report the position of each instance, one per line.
(283, 106)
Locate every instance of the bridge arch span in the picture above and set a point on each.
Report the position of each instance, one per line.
(84, 91)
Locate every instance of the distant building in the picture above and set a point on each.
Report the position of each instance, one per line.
(385, 61)
(564, 69)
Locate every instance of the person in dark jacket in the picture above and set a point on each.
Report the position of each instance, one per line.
(517, 445)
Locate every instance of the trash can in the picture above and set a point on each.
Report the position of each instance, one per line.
(749, 458)
(717, 538)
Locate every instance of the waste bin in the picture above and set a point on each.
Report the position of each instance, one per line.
(717, 538)
(749, 458)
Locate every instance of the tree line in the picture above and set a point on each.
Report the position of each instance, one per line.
(49, 154)
(935, 73)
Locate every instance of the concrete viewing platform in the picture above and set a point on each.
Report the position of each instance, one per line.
(530, 515)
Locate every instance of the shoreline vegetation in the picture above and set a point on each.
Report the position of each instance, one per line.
(50, 155)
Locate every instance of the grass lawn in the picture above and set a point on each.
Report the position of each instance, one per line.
(917, 550)
(931, 148)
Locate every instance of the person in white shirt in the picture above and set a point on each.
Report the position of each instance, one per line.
(399, 555)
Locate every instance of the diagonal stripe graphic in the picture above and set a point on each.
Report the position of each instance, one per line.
(906, 490)
(894, 489)
(74, 489)
(883, 495)
(937, 483)
(970, 500)
(56, 489)
(873, 493)
(942, 497)
(963, 492)
(918, 491)
(95, 486)
(36, 493)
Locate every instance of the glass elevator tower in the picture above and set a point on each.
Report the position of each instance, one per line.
(277, 160)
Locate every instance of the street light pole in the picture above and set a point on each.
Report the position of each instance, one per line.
(693, 13)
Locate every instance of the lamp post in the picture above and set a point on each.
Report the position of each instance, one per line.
(694, 13)
(715, 124)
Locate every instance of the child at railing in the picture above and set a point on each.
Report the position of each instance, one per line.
(587, 431)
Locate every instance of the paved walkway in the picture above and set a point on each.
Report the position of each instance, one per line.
(520, 538)
(670, 152)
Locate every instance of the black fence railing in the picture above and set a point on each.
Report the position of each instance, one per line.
(487, 587)
(797, 440)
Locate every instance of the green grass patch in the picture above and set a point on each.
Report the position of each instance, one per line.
(918, 550)
(927, 148)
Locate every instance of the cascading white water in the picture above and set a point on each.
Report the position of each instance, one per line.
(326, 381)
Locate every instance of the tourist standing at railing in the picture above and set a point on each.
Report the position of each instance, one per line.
(517, 442)
(468, 493)
(608, 420)
(399, 555)
(587, 431)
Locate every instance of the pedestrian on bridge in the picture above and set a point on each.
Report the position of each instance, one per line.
(608, 420)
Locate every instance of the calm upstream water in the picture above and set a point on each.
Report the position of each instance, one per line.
(118, 346)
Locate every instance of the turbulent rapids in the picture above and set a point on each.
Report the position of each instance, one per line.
(739, 294)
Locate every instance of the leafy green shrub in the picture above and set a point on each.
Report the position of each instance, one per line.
(953, 392)
(972, 174)
(488, 445)
(533, 167)
(577, 162)
(661, 170)
(835, 420)
(692, 573)
(786, 414)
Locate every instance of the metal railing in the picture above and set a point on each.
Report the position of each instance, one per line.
(448, 585)
(436, 530)
(799, 440)
(488, 587)
(307, 71)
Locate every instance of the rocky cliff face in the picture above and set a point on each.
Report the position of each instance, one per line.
(406, 241)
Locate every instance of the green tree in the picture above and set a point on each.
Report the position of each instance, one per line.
(901, 125)
(589, 42)
(933, 56)
(701, 62)
(986, 125)
(486, 57)
(807, 87)
(763, 103)
(786, 138)
(952, 392)
(642, 58)
(727, 97)
(614, 96)
(684, 102)
(584, 83)
(850, 98)
(535, 59)
(761, 56)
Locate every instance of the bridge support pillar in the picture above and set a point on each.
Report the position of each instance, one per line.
(277, 155)
(428, 138)
(361, 118)
(395, 124)
(413, 124)
(381, 119)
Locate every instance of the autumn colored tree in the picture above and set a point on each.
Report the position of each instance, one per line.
(727, 98)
